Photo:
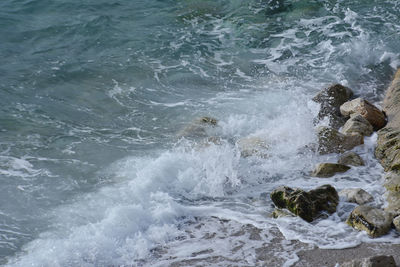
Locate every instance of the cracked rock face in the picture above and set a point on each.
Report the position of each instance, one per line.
(375, 222)
(307, 205)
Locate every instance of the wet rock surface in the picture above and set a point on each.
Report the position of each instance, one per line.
(252, 146)
(357, 124)
(199, 128)
(308, 205)
(330, 99)
(325, 170)
(396, 223)
(375, 222)
(376, 261)
(367, 110)
(356, 195)
(351, 158)
(332, 141)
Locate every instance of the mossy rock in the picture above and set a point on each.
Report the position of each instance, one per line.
(307, 205)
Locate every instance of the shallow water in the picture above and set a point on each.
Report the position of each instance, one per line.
(93, 95)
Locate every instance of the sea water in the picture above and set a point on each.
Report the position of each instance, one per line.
(94, 93)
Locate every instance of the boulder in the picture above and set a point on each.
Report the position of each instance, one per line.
(375, 222)
(351, 158)
(357, 124)
(375, 261)
(361, 106)
(332, 141)
(199, 128)
(330, 100)
(307, 205)
(356, 195)
(392, 182)
(396, 223)
(325, 170)
(393, 200)
(252, 146)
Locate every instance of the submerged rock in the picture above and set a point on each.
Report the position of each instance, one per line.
(356, 195)
(351, 158)
(252, 146)
(331, 99)
(307, 205)
(376, 261)
(357, 124)
(325, 170)
(332, 141)
(199, 128)
(375, 222)
(361, 106)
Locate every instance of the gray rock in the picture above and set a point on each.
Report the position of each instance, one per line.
(331, 99)
(307, 205)
(393, 199)
(351, 158)
(199, 128)
(361, 106)
(356, 195)
(376, 261)
(252, 146)
(375, 222)
(392, 182)
(357, 124)
(325, 170)
(332, 141)
(396, 223)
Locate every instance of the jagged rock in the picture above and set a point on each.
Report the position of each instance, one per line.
(361, 106)
(351, 158)
(376, 261)
(392, 182)
(279, 213)
(307, 205)
(250, 146)
(393, 199)
(331, 99)
(396, 223)
(332, 141)
(356, 195)
(375, 222)
(328, 169)
(357, 124)
(199, 128)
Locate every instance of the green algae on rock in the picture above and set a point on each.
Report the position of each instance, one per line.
(307, 205)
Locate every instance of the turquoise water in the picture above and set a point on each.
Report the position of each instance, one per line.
(93, 94)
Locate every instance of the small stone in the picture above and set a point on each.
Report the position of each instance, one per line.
(396, 223)
(332, 141)
(252, 146)
(330, 99)
(351, 158)
(325, 170)
(375, 222)
(361, 106)
(356, 195)
(307, 205)
(357, 124)
(376, 261)
(279, 213)
(199, 128)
